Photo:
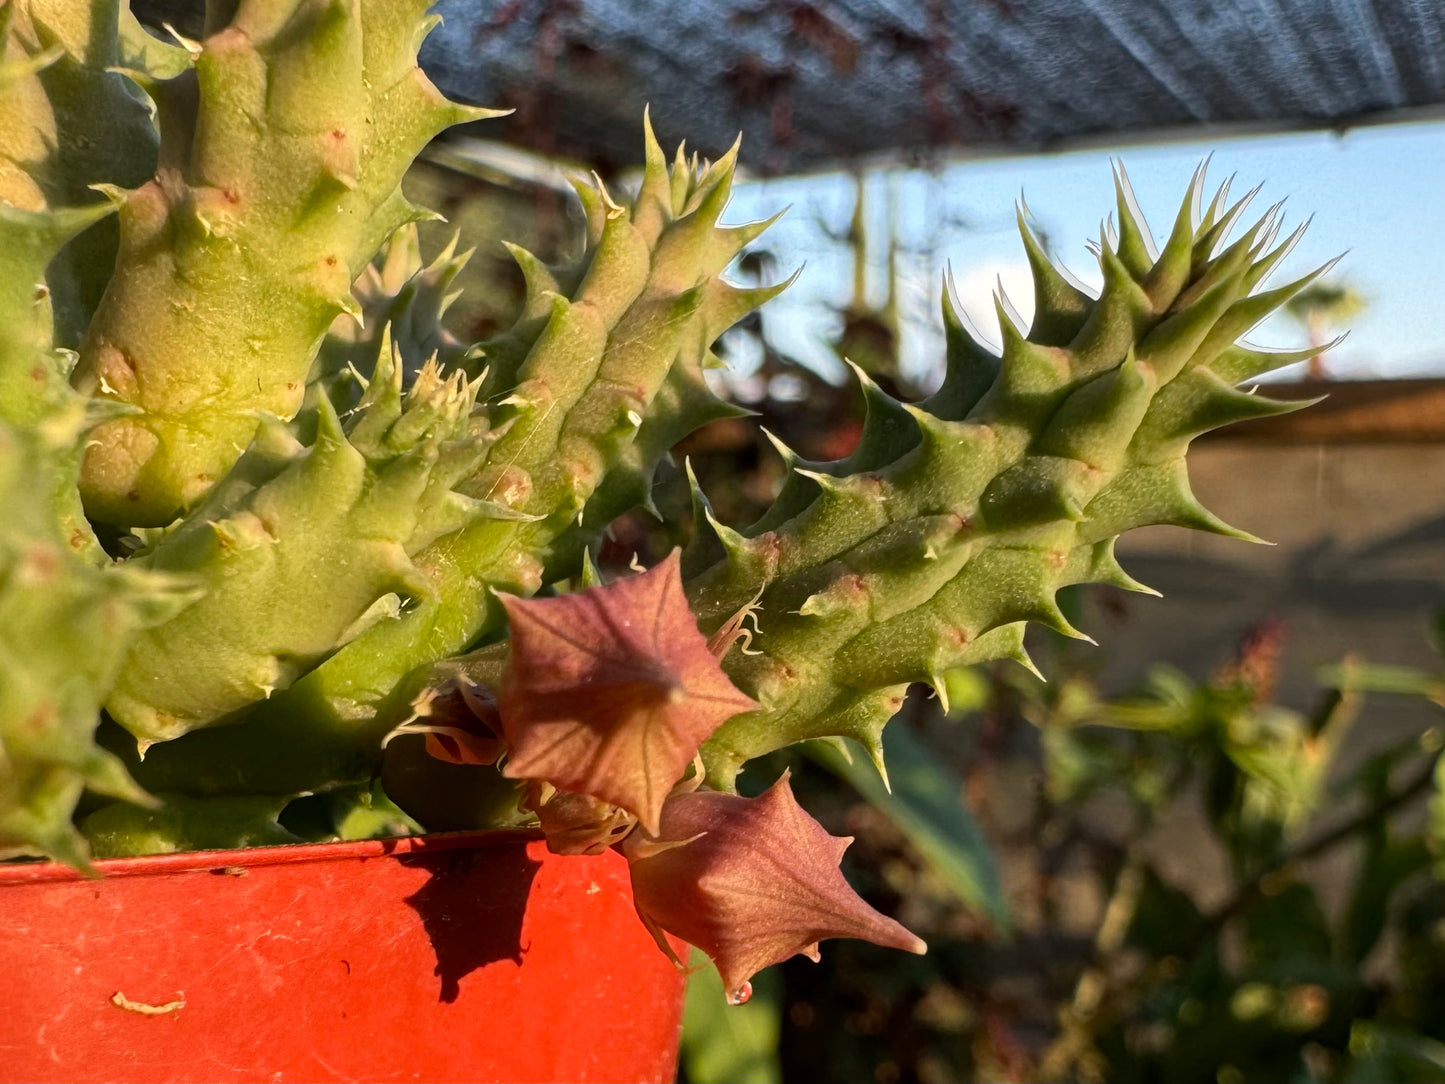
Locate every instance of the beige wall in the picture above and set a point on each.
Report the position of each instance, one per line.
(1358, 565)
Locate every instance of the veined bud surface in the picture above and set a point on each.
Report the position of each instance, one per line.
(751, 882)
(610, 691)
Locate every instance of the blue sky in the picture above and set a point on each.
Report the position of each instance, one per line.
(1378, 192)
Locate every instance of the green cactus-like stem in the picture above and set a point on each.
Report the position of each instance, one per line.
(569, 386)
(683, 404)
(302, 548)
(66, 122)
(34, 392)
(956, 521)
(649, 303)
(64, 624)
(401, 299)
(65, 617)
(69, 120)
(176, 822)
(281, 158)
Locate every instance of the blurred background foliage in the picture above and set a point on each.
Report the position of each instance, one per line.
(1177, 885)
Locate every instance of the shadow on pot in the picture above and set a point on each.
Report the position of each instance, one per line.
(472, 907)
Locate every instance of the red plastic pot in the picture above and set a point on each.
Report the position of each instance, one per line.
(455, 957)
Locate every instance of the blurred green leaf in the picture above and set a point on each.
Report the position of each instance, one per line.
(365, 812)
(1437, 631)
(183, 823)
(968, 691)
(1081, 761)
(1388, 861)
(1377, 678)
(926, 805)
(361, 811)
(730, 1044)
(1389, 1053)
(1287, 926)
(1435, 828)
(1170, 703)
(1166, 920)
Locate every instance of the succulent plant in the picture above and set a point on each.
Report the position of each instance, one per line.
(282, 148)
(328, 524)
(956, 521)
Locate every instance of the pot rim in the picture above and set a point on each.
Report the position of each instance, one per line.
(22, 873)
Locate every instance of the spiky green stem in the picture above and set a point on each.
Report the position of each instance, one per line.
(956, 521)
(568, 388)
(282, 154)
(303, 548)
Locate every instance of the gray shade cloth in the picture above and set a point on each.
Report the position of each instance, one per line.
(813, 84)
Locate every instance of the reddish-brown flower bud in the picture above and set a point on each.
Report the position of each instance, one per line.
(460, 721)
(610, 691)
(576, 823)
(750, 881)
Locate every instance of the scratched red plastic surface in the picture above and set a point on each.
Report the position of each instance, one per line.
(431, 959)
